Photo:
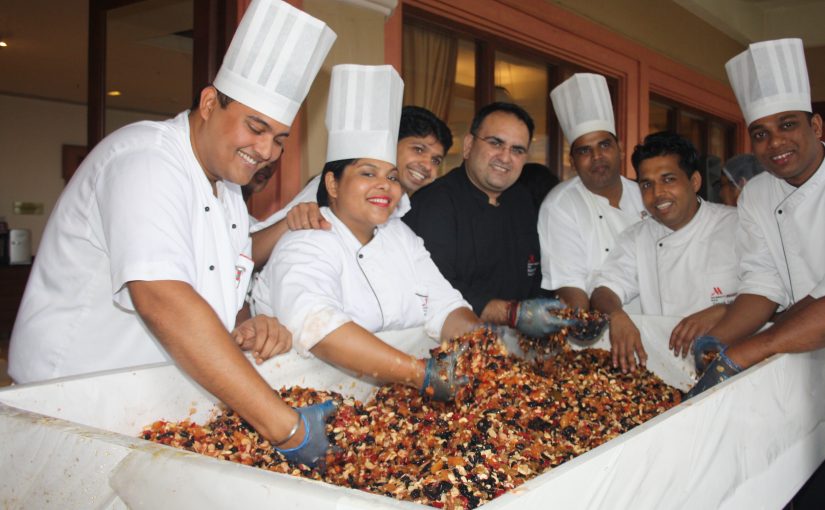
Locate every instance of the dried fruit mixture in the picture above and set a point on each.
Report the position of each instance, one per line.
(512, 422)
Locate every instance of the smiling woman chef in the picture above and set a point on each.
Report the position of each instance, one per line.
(146, 255)
(369, 272)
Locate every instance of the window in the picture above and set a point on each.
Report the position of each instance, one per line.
(713, 138)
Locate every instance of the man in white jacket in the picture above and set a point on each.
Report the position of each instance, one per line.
(681, 262)
(580, 218)
(781, 214)
(146, 257)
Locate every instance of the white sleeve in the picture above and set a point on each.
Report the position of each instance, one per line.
(304, 282)
(620, 271)
(308, 194)
(443, 298)
(563, 249)
(757, 271)
(145, 203)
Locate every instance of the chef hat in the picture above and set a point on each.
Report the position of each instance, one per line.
(275, 54)
(364, 112)
(770, 77)
(582, 105)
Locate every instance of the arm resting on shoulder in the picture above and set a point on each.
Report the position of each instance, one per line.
(195, 338)
(353, 348)
(264, 241)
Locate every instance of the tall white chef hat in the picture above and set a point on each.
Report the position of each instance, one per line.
(364, 112)
(582, 104)
(770, 77)
(275, 54)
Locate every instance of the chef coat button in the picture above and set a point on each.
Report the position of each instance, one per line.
(360, 255)
(206, 208)
(211, 268)
(660, 245)
(234, 226)
(607, 249)
(780, 211)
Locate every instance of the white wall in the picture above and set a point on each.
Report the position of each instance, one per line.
(32, 134)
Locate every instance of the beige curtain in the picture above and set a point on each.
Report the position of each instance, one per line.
(429, 69)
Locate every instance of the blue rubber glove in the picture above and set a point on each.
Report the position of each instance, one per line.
(702, 346)
(440, 380)
(720, 369)
(539, 317)
(313, 449)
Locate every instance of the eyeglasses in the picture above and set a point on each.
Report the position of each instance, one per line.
(497, 144)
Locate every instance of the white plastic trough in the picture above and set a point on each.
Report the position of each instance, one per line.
(749, 443)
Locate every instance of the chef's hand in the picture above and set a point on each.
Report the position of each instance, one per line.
(703, 346)
(717, 371)
(625, 342)
(313, 449)
(536, 317)
(306, 216)
(693, 326)
(264, 336)
(440, 380)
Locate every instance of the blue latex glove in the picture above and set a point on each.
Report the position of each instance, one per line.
(703, 345)
(539, 317)
(313, 448)
(720, 369)
(440, 380)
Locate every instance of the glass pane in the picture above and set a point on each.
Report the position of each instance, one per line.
(462, 102)
(690, 126)
(148, 61)
(524, 82)
(717, 135)
(659, 117)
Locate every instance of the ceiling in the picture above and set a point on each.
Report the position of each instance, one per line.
(149, 45)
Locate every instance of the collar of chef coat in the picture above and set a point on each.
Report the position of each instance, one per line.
(346, 234)
(626, 202)
(685, 234)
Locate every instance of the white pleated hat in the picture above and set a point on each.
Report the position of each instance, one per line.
(770, 77)
(582, 104)
(274, 56)
(364, 112)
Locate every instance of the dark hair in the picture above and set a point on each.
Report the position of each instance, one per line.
(664, 143)
(223, 100)
(417, 121)
(510, 108)
(337, 168)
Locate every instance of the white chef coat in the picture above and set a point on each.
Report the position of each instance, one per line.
(577, 230)
(318, 280)
(139, 208)
(680, 272)
(308, 194)
(782, 238)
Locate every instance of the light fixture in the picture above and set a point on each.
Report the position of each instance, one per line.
(113, 93)
(3, 43)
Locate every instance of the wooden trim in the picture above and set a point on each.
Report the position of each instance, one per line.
(393, 39)
(71, 157)
(96, 77)
(560, 34)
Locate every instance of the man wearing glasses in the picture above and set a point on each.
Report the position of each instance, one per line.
(479, 224)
